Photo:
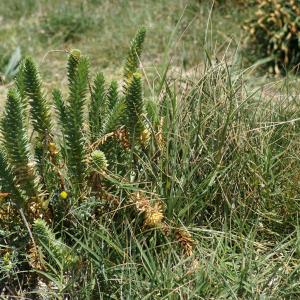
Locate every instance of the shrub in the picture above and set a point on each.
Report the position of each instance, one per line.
(58, 171)
(273, 34)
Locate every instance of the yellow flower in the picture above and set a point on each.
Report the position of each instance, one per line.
(63, 195)
(153, 215)
(153, 218)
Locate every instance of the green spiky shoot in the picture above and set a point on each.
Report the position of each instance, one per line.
(133, 57)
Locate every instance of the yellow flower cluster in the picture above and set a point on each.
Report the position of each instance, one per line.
(153, 214)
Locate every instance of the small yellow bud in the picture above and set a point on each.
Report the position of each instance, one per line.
(63, 195)
(137, 75)
(145, 137)
(76, 53)
(7, 261)
(53, 149)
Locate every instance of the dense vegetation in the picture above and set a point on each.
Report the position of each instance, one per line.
(274, 34)
(148, 182)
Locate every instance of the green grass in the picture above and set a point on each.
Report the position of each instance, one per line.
(102, 29)
(228, 171)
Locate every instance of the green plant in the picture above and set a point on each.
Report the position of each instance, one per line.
(215, 154)
(45, 176)
(9, 65)
(273, 34)
(57, 252)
